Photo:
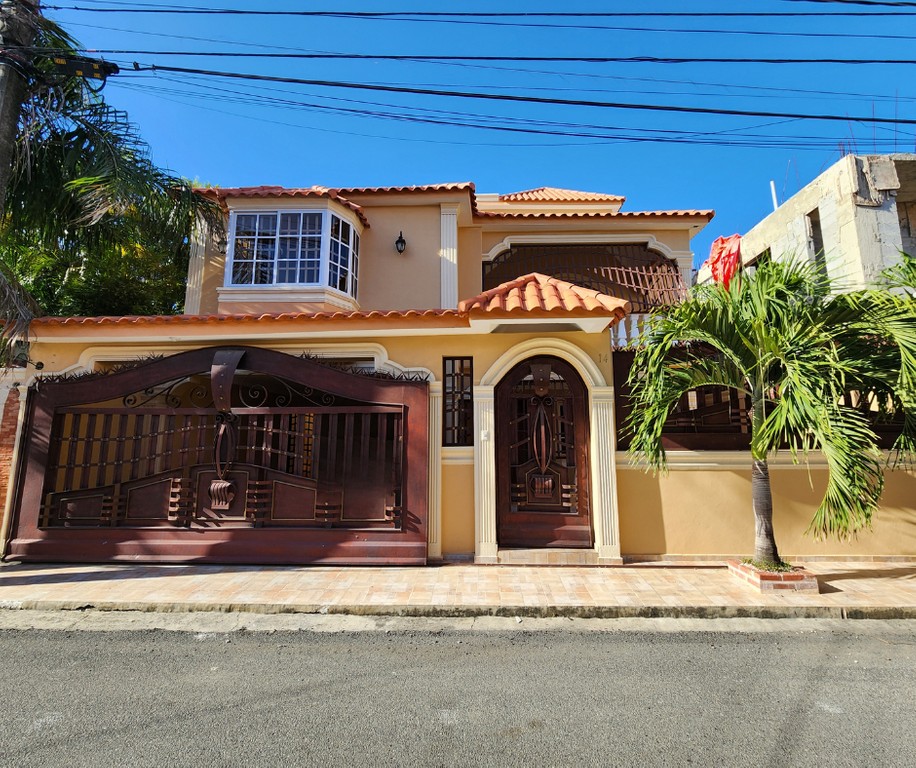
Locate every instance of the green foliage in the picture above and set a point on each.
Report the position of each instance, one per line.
(782, 336)
(92, 225)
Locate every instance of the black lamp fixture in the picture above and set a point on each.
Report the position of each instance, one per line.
(400, 245)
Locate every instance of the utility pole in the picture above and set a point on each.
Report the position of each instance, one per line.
(17, 28)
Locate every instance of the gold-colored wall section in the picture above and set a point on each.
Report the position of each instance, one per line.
(457, 509)
(708, 512)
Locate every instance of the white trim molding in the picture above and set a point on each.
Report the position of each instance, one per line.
(458, 454)
(698, 460)
(561, 348)
(194, 288)
(448, 255)
(602, 471)
(374, 354)
(650, 241)
(434, 511)
(485, 547)
(683, 258)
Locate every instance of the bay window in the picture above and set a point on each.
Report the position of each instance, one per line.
(293, 248)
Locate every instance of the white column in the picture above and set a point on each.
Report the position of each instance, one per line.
(192, 295)
(685, 265)
(603, 469)
(434, 549)
(484, 476)
(448, 254)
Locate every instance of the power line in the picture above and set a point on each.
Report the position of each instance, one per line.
(524, 99)
(408, 15)
(567, 74)
(539, 59)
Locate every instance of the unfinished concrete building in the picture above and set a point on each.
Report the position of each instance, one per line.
(853, 221)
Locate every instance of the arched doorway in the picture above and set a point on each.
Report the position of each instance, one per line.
(542, 461)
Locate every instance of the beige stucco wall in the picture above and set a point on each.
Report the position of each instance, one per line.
(390, 280)
(691, 511)
(457, 509)
(126, 342)
(708, 512)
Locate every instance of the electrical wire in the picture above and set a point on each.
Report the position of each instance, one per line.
(525, 99)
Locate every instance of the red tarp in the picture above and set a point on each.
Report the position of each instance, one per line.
(725, 258)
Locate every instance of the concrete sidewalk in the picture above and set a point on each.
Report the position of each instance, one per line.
(847, 590)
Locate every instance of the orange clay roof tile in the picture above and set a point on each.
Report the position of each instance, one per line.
(221, 194)
(541, 194)
(706, 214)
(557, 195)
(534, 294)
(539, 293)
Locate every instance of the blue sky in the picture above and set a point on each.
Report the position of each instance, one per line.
(239, 132)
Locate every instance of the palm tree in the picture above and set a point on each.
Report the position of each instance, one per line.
(816, 367)
(87, 211)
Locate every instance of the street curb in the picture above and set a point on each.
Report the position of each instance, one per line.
(469, 611)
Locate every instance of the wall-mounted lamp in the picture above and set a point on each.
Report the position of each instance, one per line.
(400, 245)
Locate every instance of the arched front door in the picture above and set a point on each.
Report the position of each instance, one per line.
(542, 456)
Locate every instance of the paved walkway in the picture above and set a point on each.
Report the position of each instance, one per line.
(848, 590)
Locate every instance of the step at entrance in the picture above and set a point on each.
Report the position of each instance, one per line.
(547, 557)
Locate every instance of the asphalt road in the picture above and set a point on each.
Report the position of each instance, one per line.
(436, 696)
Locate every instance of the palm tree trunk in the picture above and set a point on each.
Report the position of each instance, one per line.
(764, 541)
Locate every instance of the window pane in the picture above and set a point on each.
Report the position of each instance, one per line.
(458, 401)
(267, 224)
(241, 273)
(244, 249)
(335, 227)
(289, 223)
(288, 248)
(345, 232)
(246, 224)
(286, 271)
(265, 250)
(311, 224)
(263, 274)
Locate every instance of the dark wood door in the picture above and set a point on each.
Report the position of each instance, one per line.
(542, 456)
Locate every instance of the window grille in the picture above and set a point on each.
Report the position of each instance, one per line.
(457, 401)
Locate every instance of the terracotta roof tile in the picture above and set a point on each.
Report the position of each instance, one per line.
(534, 294)
(221, 194)
(458, 186)
(537, 293)
(557, 195)
(707, 214)
(266, 317)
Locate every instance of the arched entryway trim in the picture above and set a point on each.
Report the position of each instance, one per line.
(602, 456)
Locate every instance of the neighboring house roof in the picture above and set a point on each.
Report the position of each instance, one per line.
(557, 195)
(533, 295)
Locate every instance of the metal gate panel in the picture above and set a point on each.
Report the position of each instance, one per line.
(335, 463)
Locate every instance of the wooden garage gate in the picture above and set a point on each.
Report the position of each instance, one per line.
(229, 454)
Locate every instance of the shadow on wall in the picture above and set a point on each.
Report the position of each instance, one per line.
(797, 493)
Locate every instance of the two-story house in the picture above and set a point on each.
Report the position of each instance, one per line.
(386, 375)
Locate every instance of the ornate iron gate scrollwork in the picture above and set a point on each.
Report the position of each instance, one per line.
(245, 440)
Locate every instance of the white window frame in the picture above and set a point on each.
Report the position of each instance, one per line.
(325, 251)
